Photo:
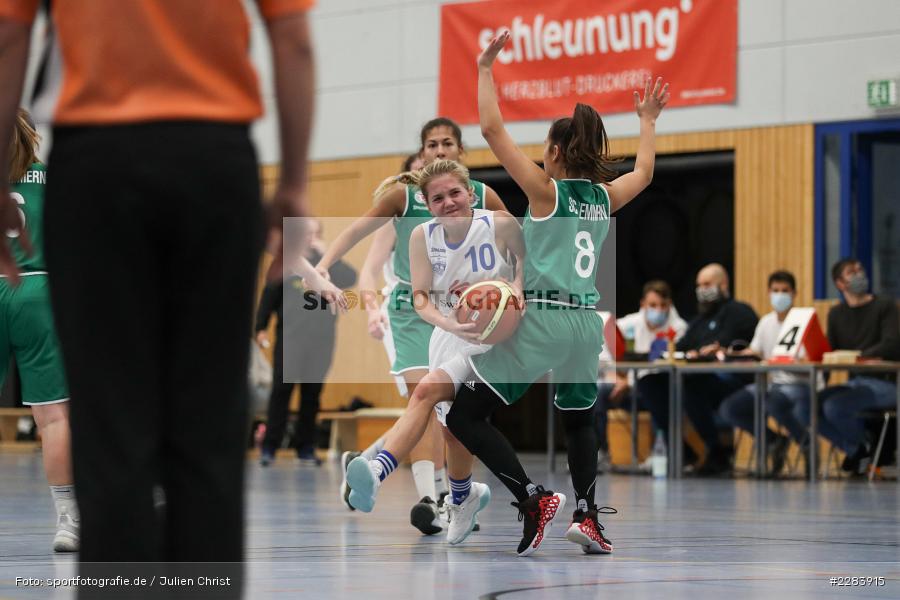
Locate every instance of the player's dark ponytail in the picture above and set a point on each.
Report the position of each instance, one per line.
(584, 145)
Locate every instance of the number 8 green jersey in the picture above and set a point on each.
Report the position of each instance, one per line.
(28, 193)
(563, 248)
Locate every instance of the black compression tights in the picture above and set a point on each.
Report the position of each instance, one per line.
(581, 438)
(467, 420)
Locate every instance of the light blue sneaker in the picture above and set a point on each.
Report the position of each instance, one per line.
(363, 484)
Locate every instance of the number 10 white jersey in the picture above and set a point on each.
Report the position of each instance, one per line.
(455, 267)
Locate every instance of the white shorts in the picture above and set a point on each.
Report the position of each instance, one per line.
(450, 354)
(388, 340)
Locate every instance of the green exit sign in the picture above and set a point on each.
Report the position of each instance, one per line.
(882, 93)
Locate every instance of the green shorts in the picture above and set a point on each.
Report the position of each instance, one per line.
(564, 340)
(27, 333)
(411, 334)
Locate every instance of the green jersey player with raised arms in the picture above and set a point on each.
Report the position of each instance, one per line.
(570, 202)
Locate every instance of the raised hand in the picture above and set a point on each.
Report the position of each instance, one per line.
(489, 55)
(377, 324)
(337, 301)
(654, 100)
(329, 292)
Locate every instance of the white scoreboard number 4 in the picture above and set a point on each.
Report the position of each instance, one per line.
(800, 331)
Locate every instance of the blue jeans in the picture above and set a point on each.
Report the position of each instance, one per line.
(782, 401)
(842, 404)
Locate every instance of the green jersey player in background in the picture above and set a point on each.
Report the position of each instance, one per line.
(27, 332)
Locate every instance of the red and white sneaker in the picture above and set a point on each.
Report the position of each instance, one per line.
(537, 512)
(587, 532)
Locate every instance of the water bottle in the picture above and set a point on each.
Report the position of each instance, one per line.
(628, 334)
(659, 463)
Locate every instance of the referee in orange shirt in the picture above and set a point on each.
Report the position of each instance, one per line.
(154, 229)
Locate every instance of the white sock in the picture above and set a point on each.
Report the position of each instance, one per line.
(423, 475)
(441, 484)
(64, 499)
(372, 451)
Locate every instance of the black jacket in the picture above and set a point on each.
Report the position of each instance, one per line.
(731, 321)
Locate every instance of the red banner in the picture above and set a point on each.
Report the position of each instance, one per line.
(567, 51)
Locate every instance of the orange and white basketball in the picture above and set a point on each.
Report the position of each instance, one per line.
(493, 307)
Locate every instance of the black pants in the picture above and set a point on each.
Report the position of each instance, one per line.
(702, 396)
(153, 235)
(280, 398)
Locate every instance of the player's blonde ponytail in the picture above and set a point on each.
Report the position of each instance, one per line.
(406, 178)
(422, 178)
(23, 146)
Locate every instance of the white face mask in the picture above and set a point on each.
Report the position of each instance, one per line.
(708, 294)
(781, 301)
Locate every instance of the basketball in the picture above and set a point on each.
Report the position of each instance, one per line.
(493, 307)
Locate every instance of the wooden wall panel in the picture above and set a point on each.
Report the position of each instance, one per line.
(340, 191)
(773, 199)
(773, 225)
(773, 210)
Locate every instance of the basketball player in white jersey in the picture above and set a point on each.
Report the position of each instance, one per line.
(399, 202)
(460, 246)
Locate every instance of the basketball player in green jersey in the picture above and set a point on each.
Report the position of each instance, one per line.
(570, 201)
(26, 332)
(398, 201)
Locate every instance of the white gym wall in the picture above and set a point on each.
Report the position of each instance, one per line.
(799, 61)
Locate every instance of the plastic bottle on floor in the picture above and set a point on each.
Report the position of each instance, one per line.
(659, 462)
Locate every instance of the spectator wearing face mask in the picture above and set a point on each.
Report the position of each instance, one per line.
(867, 323)
(720, 323)
(657, 315)
(787, 397)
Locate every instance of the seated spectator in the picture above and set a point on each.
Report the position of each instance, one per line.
(720, 323)
(657, 315)
(869, 324)
(785, 391)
